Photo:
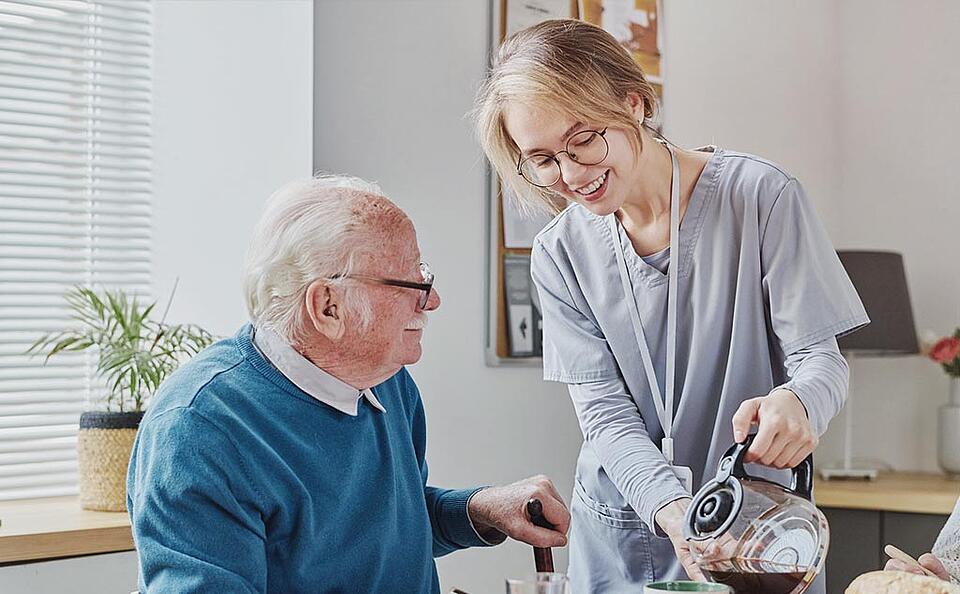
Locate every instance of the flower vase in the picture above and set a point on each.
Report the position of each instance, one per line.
(948, 432)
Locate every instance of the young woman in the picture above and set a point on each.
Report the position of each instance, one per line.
(686, 296)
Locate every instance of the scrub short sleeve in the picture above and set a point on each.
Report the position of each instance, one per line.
(574, 348)
(810, 296)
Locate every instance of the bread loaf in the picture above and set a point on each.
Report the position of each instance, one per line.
(899, 582)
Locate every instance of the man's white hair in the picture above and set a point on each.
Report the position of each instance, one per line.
(309, 230)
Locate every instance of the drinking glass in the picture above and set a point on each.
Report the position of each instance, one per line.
(540, 583)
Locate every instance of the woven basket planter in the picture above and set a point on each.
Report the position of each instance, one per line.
(103, 450)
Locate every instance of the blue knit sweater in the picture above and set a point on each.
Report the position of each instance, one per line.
(241, 482)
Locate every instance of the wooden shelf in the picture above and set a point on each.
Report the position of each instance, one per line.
(912, 492)
(56, 527)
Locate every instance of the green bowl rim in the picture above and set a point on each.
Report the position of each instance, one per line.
(709, 586)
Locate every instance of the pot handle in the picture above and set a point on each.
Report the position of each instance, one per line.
(802, 483)
(731, 464)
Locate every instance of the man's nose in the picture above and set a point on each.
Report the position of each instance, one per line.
(433, 301)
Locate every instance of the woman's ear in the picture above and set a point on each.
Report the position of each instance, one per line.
(324, 305)
(636, 104)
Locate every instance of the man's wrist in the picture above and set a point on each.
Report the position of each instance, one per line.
(476, 513)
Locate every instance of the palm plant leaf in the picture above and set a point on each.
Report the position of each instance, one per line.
(135, 353)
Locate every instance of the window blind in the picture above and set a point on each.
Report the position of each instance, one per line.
(75, 208)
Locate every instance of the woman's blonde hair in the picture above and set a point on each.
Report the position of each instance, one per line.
(573, 66)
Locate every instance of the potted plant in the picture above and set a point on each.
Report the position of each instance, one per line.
(134, 355)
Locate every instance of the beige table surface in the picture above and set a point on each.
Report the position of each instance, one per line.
(915, 492)
(55, 527)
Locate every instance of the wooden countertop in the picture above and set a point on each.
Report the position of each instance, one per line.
(55, 527)
(915, 492)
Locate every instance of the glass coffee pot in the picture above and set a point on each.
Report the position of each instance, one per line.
(756, 535)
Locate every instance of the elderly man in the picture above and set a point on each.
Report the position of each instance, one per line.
(291, 457)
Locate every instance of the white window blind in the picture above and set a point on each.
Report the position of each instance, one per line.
(75, 208)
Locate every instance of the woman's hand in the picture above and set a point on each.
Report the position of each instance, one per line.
(784, 433)
(928, 560)
(670, 519)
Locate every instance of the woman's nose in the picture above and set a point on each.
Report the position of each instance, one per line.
(574, 174)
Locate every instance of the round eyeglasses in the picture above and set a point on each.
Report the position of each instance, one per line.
(587, 147)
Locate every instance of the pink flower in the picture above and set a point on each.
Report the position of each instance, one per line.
(946, 350)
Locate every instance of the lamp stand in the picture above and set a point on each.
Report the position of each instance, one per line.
(847, 471)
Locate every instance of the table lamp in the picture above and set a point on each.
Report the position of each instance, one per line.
(882, 284)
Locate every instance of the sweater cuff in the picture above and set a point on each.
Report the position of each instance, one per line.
(458, 526)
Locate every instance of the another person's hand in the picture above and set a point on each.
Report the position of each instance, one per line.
(784, 433)
(504, 509)
(928, 560)
(670, 519)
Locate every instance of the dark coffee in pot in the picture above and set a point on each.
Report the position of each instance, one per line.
(757, 583)
(751, 577)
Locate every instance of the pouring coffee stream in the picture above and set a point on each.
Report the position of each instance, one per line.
(756, 535)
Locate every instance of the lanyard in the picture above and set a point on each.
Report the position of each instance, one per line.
(664, 403)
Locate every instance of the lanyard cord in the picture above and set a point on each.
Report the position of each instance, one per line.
(662, 403)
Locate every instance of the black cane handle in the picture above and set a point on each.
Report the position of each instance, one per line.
(542, 557)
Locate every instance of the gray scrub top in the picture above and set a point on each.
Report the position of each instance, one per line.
(758, 281)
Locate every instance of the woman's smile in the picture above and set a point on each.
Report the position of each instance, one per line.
(594, 190)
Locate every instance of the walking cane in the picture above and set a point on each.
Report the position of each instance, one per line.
(542, 557)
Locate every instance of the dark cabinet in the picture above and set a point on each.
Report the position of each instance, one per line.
(857, 538)
(854, 545)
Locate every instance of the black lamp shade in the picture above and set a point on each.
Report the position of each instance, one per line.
(882, 284)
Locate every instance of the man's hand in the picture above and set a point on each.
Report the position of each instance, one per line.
(928, 560)
(670, 519)
(785, 436)
(505, 509)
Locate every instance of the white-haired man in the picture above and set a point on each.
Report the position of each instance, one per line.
(290, 457)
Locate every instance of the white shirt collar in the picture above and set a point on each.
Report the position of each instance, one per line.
(310, 378)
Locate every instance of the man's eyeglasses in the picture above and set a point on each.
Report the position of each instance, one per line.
(587, 147)
(425, 286)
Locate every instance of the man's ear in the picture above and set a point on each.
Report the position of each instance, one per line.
(325, 309)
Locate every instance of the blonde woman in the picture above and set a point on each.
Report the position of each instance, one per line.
(686, 296)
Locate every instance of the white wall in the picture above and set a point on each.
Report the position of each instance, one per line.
(115, 573)
(232, 121)
(758, 77)
(899, 119)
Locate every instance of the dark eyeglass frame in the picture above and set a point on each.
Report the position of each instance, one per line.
(425, 286)
(566, 150)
